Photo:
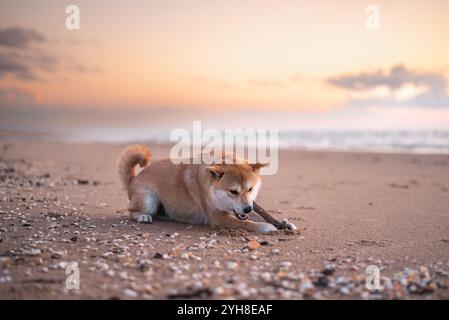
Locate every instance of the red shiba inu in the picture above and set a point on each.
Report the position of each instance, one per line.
(219, 195)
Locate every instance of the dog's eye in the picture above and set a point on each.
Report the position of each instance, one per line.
(234, 192)
(250, 189)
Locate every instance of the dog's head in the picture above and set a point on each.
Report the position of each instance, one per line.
(234, 187)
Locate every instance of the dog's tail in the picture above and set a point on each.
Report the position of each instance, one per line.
(133, 155)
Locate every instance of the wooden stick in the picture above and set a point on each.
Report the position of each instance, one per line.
(269, 218)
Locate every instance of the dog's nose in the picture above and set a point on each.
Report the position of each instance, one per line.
(247, 209)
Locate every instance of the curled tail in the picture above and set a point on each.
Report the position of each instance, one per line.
(133, 155)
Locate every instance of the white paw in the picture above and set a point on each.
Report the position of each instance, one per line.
(289, 225)
(144, 218)
(266, 227)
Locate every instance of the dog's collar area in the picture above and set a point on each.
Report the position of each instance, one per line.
(240, 216)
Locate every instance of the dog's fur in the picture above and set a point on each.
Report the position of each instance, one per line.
(191, 193)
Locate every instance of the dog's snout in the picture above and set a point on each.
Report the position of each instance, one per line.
(247, 209)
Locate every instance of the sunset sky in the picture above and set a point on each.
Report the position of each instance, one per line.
(311, 63)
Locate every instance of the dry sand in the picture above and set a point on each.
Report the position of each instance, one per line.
(352, 209)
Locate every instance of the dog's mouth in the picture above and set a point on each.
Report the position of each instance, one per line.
(241, 216)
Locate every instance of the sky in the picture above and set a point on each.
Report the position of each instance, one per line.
(287, 64)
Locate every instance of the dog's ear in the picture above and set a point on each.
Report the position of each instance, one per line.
(256, 166)
(216, 171)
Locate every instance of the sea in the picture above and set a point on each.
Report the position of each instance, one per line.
(389, 141)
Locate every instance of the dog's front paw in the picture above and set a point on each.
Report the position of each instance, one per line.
(265, 227)
(144, 218)
(288, 225)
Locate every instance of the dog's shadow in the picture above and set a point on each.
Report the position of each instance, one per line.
(160, 223)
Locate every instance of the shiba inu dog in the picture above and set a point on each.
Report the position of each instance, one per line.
(219, 195)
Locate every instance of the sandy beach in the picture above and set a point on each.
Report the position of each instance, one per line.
(62, 203)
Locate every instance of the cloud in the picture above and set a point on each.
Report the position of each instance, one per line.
(25, 65)
(17, 37)
(15, 97)
(282, 82)
(9, 64)
(296, 78)
(219, 84)
(433, 87)
(277, 83)
(267, 83)
(20, 58)
(80, 68)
